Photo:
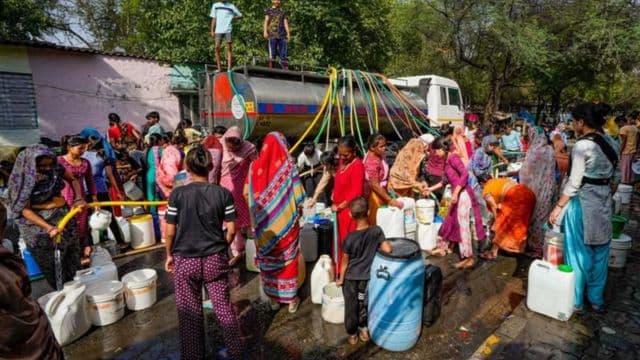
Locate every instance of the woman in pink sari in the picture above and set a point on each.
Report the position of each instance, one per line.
(376, 173)
(456, 228)
(214, 146)
(236, 159)
(171, 163)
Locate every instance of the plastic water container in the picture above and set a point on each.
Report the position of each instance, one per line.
(332, 304)
(250, 255)
(132, 191)
(425, 211)
(100, 257)
(67, 314)
(618, 251)
(124, 227)
(391, 220)
(617, 225)
(142, 233)
(551, 290)
(309, 243)
(106, 302)
(625, 191)
(97, 274)
(396, 292)
(409, 215)
(140, 289)
(320, 207)
(426, 236)
(33, 270)
(321, 275)
(325, 238)
(308, 213)
(100, 220)
(553, 250)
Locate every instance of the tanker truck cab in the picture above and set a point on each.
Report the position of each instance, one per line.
(442, 96)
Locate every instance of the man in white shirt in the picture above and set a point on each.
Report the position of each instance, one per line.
(310, 168)
(222, 15)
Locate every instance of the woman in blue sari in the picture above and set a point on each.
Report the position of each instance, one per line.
(587, 198)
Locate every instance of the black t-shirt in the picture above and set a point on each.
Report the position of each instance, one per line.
(198, 211)
(361, 246)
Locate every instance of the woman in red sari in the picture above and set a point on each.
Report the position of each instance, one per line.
(348, 185)
(275, 194)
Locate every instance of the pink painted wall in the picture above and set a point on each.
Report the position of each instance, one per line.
(76, 90)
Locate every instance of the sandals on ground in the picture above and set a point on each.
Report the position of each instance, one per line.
(293, 306)
(364, 335)
(579, 311)
(352, 339)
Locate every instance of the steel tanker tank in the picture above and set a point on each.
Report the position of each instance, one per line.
(266, 100)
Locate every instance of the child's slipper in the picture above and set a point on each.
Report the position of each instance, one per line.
(364, 336)
(353, 339)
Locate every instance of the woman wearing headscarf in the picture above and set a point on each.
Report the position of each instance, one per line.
(348, 185)
(482, 159)
(538, 174)
(586, 223)
(75, 146)
(456, 228)
(376, 171)
(103, 166)
(35, 200)
(275, 194)
(403, 178)
(461, 145)
(236, 158)
(213, 144)
(25, 332)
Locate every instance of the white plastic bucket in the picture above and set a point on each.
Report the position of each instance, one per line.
(425, 211)
(321, 275)
(142, 233)
(132, 191)
(618, 251)
(140, 289)
(391, 221)
(625, 192)
(106, 302)
(425, 236)
(333, 304)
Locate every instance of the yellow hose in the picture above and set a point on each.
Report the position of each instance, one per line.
(375, 104)
(327, 97)
(73, 212)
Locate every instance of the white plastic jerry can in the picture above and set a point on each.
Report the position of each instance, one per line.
(68, 315)
(321, 275)
(551, 290)
(391, 220)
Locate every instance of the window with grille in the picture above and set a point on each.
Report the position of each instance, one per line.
(17, 101)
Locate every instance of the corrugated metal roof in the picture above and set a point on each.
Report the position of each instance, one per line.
(50, 45)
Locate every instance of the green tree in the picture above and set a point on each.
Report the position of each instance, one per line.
(325, 32)
(25, 19)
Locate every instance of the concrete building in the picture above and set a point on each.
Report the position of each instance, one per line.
(48, 90)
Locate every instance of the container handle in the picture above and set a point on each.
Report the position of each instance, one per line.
(52, 304)
(383, 273)
(544, 266)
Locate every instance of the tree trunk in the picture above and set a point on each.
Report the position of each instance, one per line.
(493, 101)
(555, 103)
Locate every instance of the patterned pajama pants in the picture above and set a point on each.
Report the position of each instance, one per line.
(190, 275)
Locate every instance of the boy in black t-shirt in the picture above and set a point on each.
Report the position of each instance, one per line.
(197, 255)
(359, 248)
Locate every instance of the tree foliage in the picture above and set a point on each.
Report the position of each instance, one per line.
(349, 34)
(25, 19)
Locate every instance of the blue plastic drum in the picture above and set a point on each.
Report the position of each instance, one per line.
(396, 291)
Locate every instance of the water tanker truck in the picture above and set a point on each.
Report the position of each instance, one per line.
(260, 100)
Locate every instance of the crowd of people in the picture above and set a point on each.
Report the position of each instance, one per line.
(221, 189)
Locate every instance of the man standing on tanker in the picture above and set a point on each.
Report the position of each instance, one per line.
(276, 31)
(222, 14)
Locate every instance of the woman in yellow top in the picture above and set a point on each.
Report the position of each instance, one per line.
(512, 205)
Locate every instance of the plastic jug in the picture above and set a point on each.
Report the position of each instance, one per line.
(124, 227)
(391, 220)
(100, 256)
(250, 256)
(68, 315)
(551, 290)
(309, 243)
(409, 214)
(553, 250)
(321, 275)
(142, 232)
(100, 220)
(96, 274)
(308, 213)
(425, 236)
(132, 191)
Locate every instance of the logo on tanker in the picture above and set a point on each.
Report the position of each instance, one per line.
(237, 107)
